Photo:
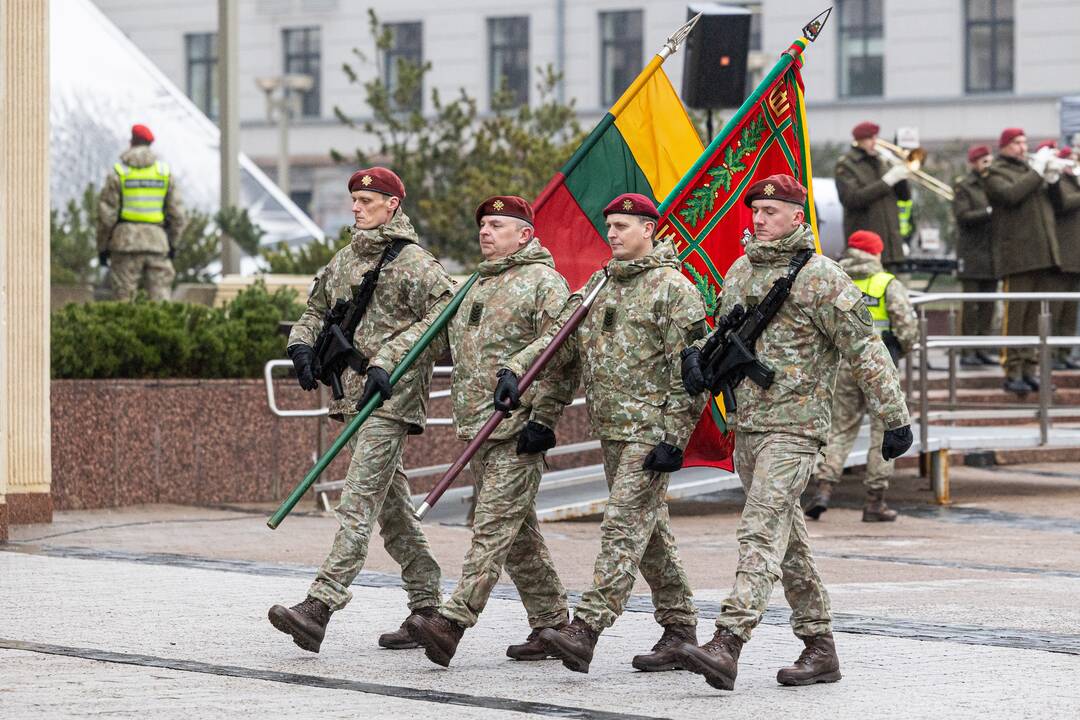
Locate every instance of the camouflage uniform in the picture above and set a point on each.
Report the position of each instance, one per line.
(138, 250)
(849, 402)
(411, 292)
(506, 320)
(779, 430)
(630, 343)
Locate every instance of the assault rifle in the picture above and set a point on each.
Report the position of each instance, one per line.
(728, 355)
(333, 347)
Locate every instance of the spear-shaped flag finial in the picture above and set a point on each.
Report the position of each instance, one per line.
(676, 38)
(813, 28)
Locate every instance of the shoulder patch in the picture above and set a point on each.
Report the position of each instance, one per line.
(863, 313)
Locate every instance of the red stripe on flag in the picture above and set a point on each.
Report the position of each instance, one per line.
(563, 228)
(708, 446)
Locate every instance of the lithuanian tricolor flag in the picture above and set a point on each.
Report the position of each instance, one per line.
(645, 144)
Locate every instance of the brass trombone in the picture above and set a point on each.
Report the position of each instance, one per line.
(913, 159)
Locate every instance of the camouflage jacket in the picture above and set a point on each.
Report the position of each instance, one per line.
(902, 321)
(630, 343)
(506, 320)
(822, 320)
(116, 236)
(411, 291)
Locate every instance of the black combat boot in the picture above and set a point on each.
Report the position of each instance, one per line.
(665, 653)
(438, 635)
(820, 502)
(717, 660)
(305, 621)
(533, 648)
(1016, 385)
(875, 509)
(818, 663)
(574, 644)
(400, 639)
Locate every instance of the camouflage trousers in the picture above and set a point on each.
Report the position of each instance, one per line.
(505, 532)
(635, 535)
(848, 410)
(773, 544)
(376, 487)
(126, 269)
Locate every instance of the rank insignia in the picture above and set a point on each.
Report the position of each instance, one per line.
(475, 313)
(366, 180)
(770, 190)
(627, 205)
(498, 205)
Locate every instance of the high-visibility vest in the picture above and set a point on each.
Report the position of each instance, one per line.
(903, 211)
(873, 291)
(142, 193)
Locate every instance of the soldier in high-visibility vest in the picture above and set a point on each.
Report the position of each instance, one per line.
(139, 220)
(894, 319)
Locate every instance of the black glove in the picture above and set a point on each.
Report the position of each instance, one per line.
(692, 377)
(895, 443)
(507, 397)
(301, 356)
(664, 458)
(103, 258)
(378, 383)
(535, 438)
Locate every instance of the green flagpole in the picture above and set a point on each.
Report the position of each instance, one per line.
(365, 412)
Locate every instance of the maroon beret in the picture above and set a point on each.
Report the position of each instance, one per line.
(1065, 153)
(867, 241)
(1008, 135)
(377, 179)
(1047, 144)
(776, 187)
(632, 204)
(508, 205)
(865, 129)
(141, 132)
(977, 151)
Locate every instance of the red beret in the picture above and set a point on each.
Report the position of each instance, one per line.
(867, 241)
(1047, 144)
(141, 132)
(632, 204)
(377, 179)
(1065, 153)
(1008, 135)
(977, 151)
(865, 129)
(508, 205)
(776, 187)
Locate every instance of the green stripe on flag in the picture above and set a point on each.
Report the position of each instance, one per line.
(606, 171)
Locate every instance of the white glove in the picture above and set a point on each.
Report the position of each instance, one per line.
(1040, 160)
(895, 174)
(1051, 175)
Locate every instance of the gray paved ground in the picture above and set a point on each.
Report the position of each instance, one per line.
(160, 612)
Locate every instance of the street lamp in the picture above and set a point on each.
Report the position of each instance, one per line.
(283, 97)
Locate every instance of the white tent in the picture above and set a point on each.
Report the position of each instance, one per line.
(101, 84)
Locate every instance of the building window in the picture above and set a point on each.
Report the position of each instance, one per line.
(508, 60)
(406, 47)
(862, 47)
(303, 56)
(989, 46)
(620, 52)
(201, 52)
(755, 24)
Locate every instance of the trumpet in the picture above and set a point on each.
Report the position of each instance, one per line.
(913, 159)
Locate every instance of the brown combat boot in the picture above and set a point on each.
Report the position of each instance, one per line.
(305, 621)
(438, 635)
(665, 653)
(717, 660)
(820, 502)
(818, 663)
(574, 644)
(875, 509)
(400, 639)
(533, 648)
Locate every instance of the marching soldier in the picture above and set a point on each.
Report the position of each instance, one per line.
(139, 220)
(869, 190)
(894, 320)
(411, 290)
(974, 251)
(1065, 197)
(779, 430)
(630, 344)
(508, 318)
(1025, 244)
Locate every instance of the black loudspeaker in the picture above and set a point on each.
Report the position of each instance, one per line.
(714, 71)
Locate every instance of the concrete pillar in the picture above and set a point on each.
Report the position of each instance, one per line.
(25, 466)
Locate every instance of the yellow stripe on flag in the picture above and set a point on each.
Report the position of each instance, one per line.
(656, 128)
(809, 170)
